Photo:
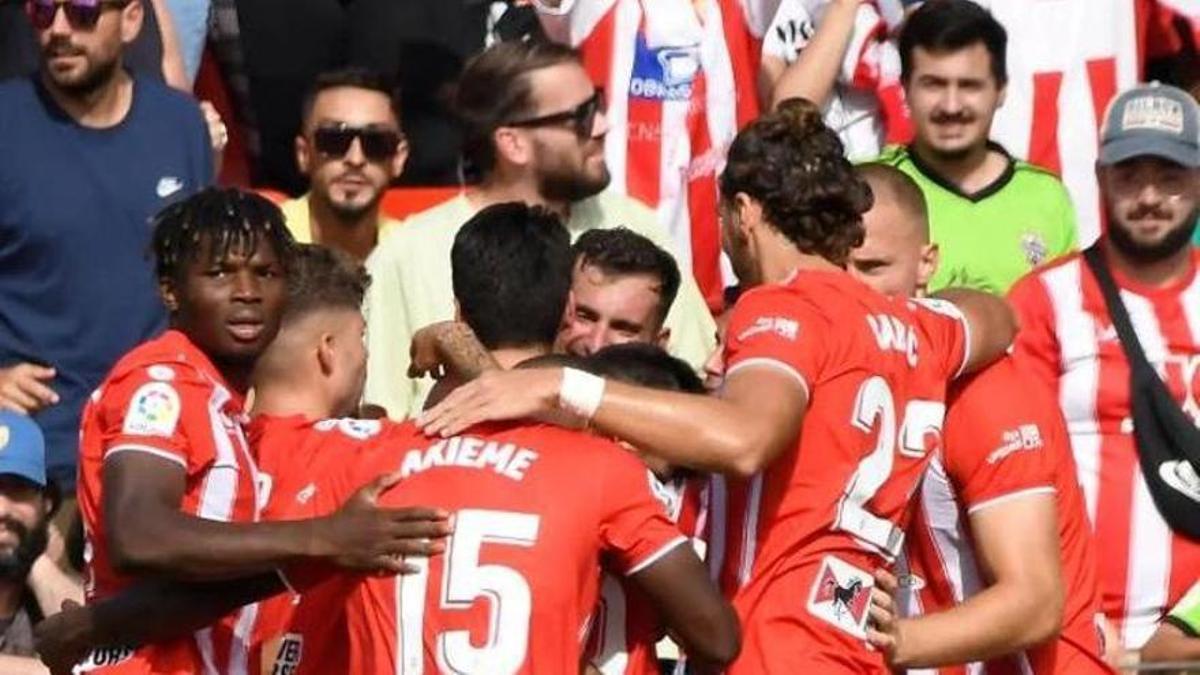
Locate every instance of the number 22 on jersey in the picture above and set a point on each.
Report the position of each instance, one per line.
(875, 408)
(464, 580)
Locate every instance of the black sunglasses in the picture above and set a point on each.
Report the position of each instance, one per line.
(81, 14)
(582, 117)
(334, 140)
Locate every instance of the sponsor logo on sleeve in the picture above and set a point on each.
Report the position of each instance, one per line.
(153, 411)
(841, 596)
(788, 329)
(1024, 437)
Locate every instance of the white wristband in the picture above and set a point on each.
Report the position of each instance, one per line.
(580, 393)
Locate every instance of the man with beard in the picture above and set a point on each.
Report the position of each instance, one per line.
(350, 146)
(90, 153)
(31, 586)
(1149, 176)
(993, 217)
(534, 132)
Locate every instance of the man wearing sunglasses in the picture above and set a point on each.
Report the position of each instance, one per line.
(350, 146)
(534, 128)
(89, 153)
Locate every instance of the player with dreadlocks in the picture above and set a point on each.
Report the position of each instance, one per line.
(168, 487)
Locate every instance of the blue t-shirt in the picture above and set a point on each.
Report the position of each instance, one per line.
(77, 285)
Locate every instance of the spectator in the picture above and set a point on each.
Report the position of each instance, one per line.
(1066, 61)
(993, 217)
(622, 289)
(681, 78)
(998, 469)
(350, 147)
(152, 53)
(534, 128)
(116, 147)
(838, 54)
(31, 585)
(1149, 174)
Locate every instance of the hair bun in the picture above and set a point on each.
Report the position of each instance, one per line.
(802, 117)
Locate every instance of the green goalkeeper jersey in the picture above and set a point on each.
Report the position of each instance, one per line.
(990, 239)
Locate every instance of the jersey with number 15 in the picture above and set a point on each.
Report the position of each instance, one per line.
(798, 543)
(535, 509)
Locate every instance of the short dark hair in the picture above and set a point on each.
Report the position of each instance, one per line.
(621, 252)
(354, 77)
(793, 165)
(324, 278)
(646, 365)
(511, 268)
(899, 186)
(494, 90)
(229, 218)
(951, 25)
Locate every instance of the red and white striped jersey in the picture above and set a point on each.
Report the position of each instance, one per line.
(798, 543)
(680, 78)
(1066, 60)
(166, 399)
(992, 454)
(1067, 340)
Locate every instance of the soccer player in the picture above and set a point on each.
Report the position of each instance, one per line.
(808, 518)
(622, 287)
(1000, 469)
(1149, 173)
(168, 487)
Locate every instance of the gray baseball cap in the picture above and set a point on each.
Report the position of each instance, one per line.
(1155, 120)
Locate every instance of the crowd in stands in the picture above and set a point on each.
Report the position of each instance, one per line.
(599, 336)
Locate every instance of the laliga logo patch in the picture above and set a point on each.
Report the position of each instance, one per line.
(287, 657)
(354, 428)
(153, 411)
(841, 596)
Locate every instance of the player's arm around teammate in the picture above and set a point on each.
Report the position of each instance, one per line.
(752, 421)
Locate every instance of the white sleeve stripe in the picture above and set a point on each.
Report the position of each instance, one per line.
(150, 450)
(656, 556)
(1019, 494)
(966, 326)
(771, 363)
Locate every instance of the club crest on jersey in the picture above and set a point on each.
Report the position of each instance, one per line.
(841, 596)
(1034, 248)
(153, 411)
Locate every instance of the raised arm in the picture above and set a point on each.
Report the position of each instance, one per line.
(819, 62)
